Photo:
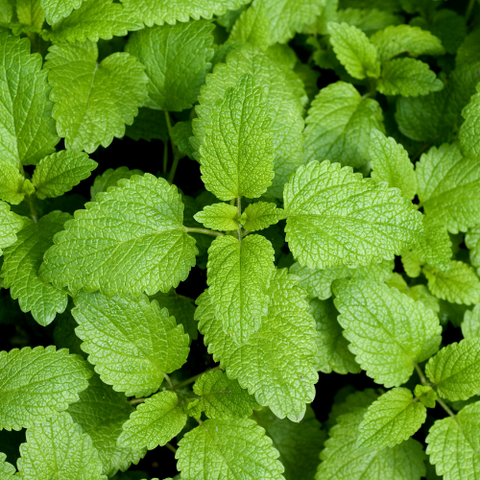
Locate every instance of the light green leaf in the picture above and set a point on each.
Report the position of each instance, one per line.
(6, 13)
(21, 264)
(455, 370)
(7, 470)
(222, 397)
(471, 323)
(252, 26)
(343, 460)
(392, 418)
(297, 443)
(57, 9)
(238, 274)
(336, 217)
(132, 240)
(407, 77)
(94, 19)
(261, 215)
(459, 285)
(472, 240)
(10, 225)
(12, 182)
(30, 13)
(468, 131)
(107, 94)
(369, 20)
(394, 40)
(282, 95)
(447, 187)
(426, 395)
(176, 58)
(228, 449)
(277, 363)
(132, 356)
(57, 448)
(412, 263)
(354, 50)
(154, 422)
(27, 397)
(339, 123)
(219, 216)
(110, 178)
(390, 163)
(26, 134)
(101, 412)
(237, 153)
(333, 353)
(172, 11)
(60, 172)
(387, 330)
(454, 444)
(148, 125)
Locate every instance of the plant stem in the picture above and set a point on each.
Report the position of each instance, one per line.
(469, 10)
(135, 401)
(192, 379)
(171, 447)
(205, 231)
(170, 384)
(165, 157)
(176, 159)
(420, 374)
(446, 408)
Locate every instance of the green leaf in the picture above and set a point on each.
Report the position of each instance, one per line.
(26, 134)
(277, 363)
(21, 264)
(26, 397)
(390, 163)
(426, 395)
(132, 356)
(471, 323)
(333, 353)
(7, 470)
(237, 153)
(6, 13)
(60, 172)
(297, 443)
(181, 133)
(468, 131)
(230, 448)
(148, 125)
(387, 330)
(219, 216)
(354, 50)
(132, 240)
(453, 444)
(238, 274)
(11, 188)
(339, 123)
(101, 412)
(94, 19)
(327, 206)
(154, 422)
(407, 77)
(57, 448)
(253, 26)
(447, 187)
(160, 12)
(455, 370)
(107, 94)
(30, 13)
(57, 9)
(394, 40)
(459, 285)
(282, 94)
(472, 240)
(110, 178)
(261, 215)
(343, 460)
(222, 397)
(176, 58)
(369, 20)
(391, 419)
(10, 225)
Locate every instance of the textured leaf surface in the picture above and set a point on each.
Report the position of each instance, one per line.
(390, 163)
(154, 422)
(468, 133)
(339, 123)
(343, 460)
(260, 215)
(335, 217)
(107, 94)
(110, 178)
(57, 448)
(277, 363)
(176, 58)
(471, 323)
(369, 20)
(228, 449)
(426, 395)
(12, 182)
(148, 125)
(455, 370)
(7, 470)
(10, 224)
(57, 9)
(354, 50)
(237, 154)
(131, 240)
(454, 445)
(223, 397)
(131, 342)
(21, 264)
(447, 187)
(472, 240)
(253, 26)
(387, 330)
(27, 129)
(219, 216)
(38, 383)
(101, 412)
(392, 418)
(238, 274)
(459, 285)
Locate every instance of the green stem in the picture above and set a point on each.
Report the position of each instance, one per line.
(165, 157)
(170, 384)
(192, 379)
(421, 375)
(176, 159)
(171, 447)
(204, 231)
(136, 401)
(446, 408)
(469, 10)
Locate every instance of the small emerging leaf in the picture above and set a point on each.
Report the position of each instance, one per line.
(260, 215)
(219, 216)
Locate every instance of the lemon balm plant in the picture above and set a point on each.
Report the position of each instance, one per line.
(337, 230)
